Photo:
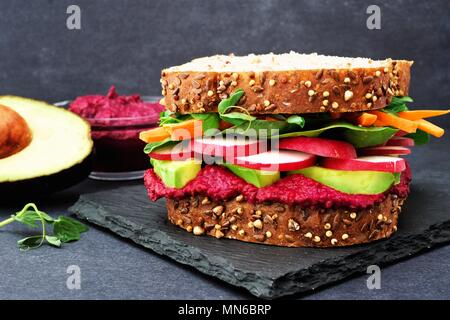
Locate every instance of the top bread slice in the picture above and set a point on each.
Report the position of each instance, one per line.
(290, 83)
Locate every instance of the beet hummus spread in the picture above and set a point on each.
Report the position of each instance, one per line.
(114, 106)
(218, 183)
(117, 117)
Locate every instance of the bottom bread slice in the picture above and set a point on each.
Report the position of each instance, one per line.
(285, 225)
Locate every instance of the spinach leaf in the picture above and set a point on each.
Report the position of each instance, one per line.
(369, 138)
(400, 100)
(295, 119)
(398, 104)
(209, 121)
(259, 127)
(358, 136)
(234, 98)
(237, 118)
(153, 145)
(168, 117)
(420, 137)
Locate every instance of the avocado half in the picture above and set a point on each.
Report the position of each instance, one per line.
(58, 156)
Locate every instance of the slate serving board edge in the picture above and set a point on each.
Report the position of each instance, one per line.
(169, 247)
(262, 286)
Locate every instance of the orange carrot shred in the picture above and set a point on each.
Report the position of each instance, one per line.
(421, 114)
(388, 119)
(430, 128)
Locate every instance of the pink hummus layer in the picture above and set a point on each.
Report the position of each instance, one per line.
(218, 183)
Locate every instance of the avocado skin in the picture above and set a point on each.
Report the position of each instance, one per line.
(41, 187)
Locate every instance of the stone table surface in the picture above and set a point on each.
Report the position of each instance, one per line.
(115, 268)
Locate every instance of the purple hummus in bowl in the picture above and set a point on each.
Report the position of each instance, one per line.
(115, 125)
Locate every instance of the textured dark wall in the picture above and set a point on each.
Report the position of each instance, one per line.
(126, 42)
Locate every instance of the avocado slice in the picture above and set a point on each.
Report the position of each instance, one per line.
(258, 178)
(57, 157)
(352, 182)
(176, 174)
(397, 176)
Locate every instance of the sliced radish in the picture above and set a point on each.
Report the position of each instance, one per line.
(281, 160)
(400, 142)
(371, 163)
(400, 133)
(320, 147)
(228, 147)
(180, 151)
(383, 151)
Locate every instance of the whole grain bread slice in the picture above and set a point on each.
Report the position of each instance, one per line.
(286, 225)
(289, 83)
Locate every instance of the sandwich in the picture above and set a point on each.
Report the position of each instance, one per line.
(297, 150)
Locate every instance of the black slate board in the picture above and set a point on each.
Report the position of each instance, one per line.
(268, 271)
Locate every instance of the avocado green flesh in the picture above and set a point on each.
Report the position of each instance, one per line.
(258, 178)
(397, 176)
(352, 182)
(176, 174)
(61, 140)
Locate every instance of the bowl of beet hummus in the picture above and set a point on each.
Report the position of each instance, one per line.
(116, 121)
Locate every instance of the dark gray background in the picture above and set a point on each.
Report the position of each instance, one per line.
(127, 43)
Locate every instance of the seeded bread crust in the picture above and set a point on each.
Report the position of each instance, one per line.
(288, 92)
(285, 225)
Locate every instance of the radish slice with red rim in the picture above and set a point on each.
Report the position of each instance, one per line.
(280, 160)
(180, 151)
(400, 142)
(320, 147)
(228, 147)
(400, 133)
(384, 151)
(370, 163)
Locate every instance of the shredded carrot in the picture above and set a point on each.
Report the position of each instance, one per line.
(430, 128)
(421, 114)
(184, 130)
(366, 119)
(387, 119)
(154, 135)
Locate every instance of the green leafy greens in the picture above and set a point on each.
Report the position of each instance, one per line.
(295, 119)
(230, 102)
(154, 145)
(359, 136)
(398, 104)
(246, 124)
(65, 229)
(420, 137)
(210, 121)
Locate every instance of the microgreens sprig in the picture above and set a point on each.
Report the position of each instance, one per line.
(65, 229)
